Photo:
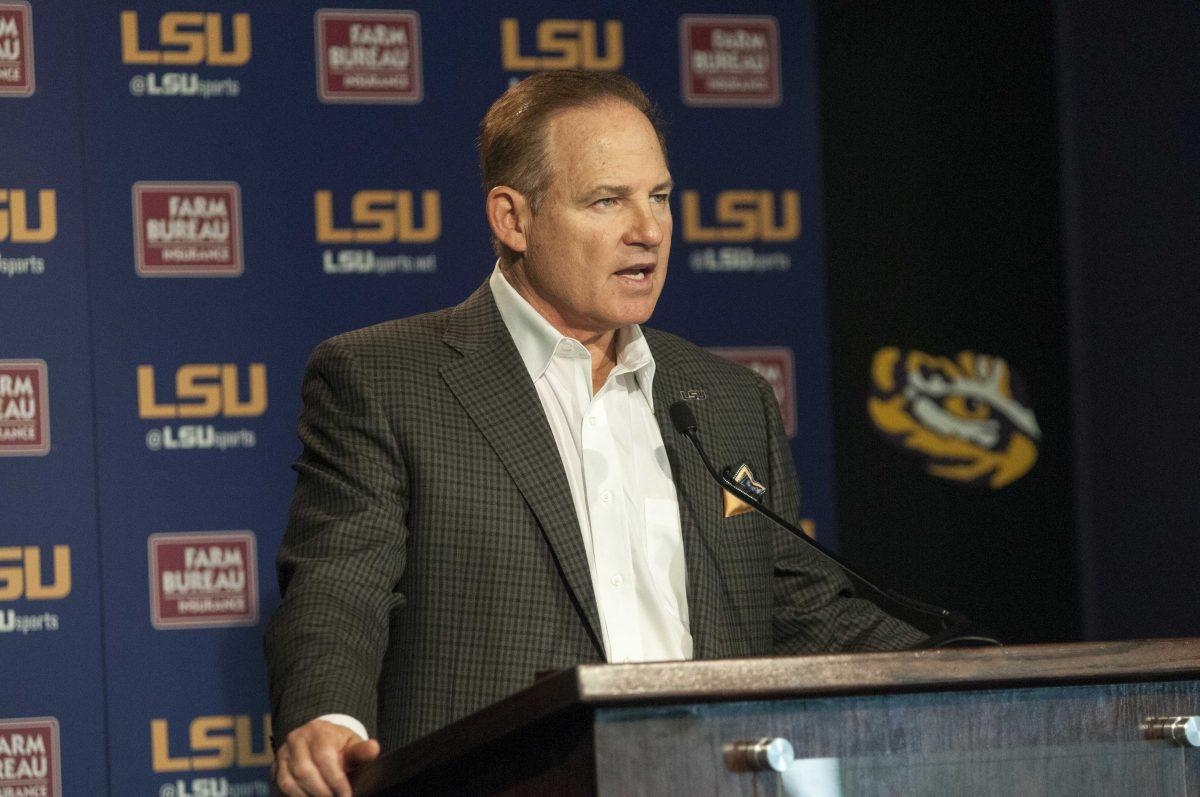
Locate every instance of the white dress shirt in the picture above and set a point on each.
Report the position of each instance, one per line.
(620, 480)
(616, 466)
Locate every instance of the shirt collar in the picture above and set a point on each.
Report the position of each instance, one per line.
(537, 340)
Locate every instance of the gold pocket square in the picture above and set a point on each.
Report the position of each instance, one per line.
(735, 506)
(745, 478)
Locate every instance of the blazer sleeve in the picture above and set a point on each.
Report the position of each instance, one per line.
(343, 552)
(815, 607)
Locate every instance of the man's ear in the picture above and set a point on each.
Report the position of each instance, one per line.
(508, 215)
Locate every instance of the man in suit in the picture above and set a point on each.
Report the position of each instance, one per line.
(495, 489)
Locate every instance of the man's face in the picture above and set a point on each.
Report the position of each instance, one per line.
(596, 249)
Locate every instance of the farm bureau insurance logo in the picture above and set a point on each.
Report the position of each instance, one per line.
(777, 365)
(30, 758)
(368, 56)
(16, 228)
(383, 218)
(24, 408)
(23, 578)
(202, 391)
(212, 742)
(728, 60)
(16, 50)
(203, 579)
(563, 44)
(743, 217)
(187, 229)
(969, 418)
(184, 38)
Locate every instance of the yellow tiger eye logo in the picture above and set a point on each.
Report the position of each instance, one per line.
(968, 417)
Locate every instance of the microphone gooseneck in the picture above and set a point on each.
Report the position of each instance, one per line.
(955, 628)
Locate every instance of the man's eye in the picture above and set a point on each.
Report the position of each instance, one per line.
(660, 198)
(606, 202)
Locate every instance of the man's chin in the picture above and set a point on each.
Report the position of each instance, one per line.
(637, 310)
(637, 314)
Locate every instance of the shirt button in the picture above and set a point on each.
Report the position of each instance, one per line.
(591, 420)
(606, 496)
(616, 580)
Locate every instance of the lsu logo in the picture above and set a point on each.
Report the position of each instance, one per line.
(22, 575)
(24, 408)
(14, 216)
(30, 757)
(203, 579)
(968, 417)
(220, 741)
(204, 390)
(563, 44)
(380, 217)
(742, 216)
(16, 49)
(186, 38)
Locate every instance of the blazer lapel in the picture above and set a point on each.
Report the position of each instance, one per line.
(699, 507)
(491, 383)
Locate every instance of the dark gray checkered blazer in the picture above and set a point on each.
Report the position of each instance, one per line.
(433, 562)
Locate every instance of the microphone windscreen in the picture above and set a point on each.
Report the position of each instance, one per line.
(682, 417)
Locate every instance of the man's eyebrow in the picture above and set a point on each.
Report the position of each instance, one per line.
(609, 190)
(625, 190)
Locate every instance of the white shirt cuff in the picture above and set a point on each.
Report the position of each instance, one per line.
(346, 721)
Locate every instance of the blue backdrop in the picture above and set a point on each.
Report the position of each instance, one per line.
(191, 197)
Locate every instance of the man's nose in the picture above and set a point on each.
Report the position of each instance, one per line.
(645, 227)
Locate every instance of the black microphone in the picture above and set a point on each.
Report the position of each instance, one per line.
(955, 630)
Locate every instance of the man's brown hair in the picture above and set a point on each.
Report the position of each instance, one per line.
(512, 135)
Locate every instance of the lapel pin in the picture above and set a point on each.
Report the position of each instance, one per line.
(693, 394)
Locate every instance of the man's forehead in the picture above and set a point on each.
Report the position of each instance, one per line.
(597, 118)
(591, 141)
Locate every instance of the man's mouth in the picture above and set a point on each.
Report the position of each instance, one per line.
(637, 273)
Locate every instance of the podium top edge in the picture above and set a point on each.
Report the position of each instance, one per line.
(778, 677)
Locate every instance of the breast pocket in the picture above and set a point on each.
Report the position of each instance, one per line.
(749, 538)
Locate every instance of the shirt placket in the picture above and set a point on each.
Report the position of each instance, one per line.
(603, 475)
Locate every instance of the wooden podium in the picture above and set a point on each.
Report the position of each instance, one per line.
(1029, 720)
